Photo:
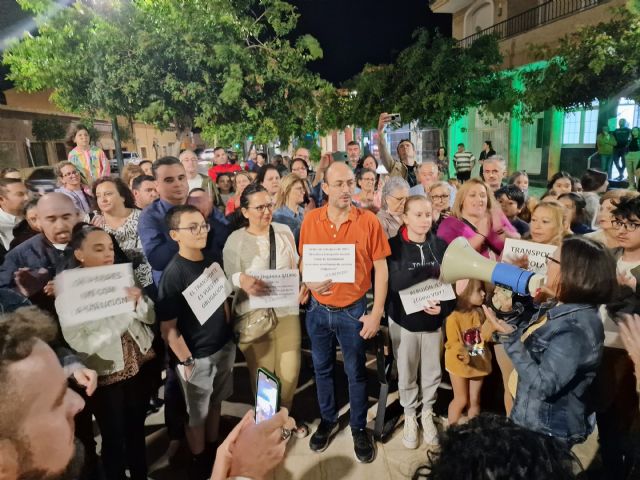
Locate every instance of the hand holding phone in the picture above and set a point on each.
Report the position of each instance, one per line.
(267, 395)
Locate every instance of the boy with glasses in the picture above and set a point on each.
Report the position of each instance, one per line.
(204, 351)
(615, 386)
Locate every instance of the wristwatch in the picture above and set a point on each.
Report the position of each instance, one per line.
(188, 362)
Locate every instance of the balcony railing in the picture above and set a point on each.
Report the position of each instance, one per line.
(530, 19)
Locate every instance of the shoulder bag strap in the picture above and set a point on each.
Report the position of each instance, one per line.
(272, 248)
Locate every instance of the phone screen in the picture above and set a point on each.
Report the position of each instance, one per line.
(267, 396)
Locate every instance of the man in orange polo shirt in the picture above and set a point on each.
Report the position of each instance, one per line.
(338, 311)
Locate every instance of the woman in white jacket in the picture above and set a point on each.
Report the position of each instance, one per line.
(119, 349)
(248, 250)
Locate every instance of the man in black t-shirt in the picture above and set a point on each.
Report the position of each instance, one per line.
(204, 351)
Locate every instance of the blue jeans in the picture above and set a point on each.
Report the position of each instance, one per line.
(605, 163)
(325, 328)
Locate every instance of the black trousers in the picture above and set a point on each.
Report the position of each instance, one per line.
(463, 176)
(120, 410)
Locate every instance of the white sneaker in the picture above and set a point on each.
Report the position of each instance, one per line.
(429, 430)
(410, 434)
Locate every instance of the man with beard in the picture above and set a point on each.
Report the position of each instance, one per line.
(37, 410)
(37, 407)
(29, 269)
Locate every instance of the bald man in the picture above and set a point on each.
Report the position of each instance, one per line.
(29, 266)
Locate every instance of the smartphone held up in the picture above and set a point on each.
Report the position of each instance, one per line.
(267, 395)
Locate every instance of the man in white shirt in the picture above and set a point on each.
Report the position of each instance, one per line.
(13, 198)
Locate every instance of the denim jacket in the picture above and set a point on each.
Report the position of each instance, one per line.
(555, 365)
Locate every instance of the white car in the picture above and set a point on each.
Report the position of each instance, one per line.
(127, 157)
(207, 155)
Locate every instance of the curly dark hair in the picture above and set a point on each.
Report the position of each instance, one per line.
(492, 447)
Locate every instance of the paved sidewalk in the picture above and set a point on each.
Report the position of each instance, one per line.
(393, 460)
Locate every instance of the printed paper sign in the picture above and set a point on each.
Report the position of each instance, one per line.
(537, 253)
(284, 286)
(87, 294)
(415, 298)
(329, 262)
(207, 292)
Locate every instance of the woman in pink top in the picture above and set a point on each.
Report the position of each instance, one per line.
(475, 219)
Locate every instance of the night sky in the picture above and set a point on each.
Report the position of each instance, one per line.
(355, 32)
(351, 32)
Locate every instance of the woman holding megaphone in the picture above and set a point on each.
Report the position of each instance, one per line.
(557, 353)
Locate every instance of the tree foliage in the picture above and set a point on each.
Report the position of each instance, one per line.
(434, 80)
(596, 62)
(47, 129)
(227, 66)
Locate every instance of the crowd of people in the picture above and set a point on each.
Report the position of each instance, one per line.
(565, 356)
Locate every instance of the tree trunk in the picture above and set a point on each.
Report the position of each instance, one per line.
(116, 141)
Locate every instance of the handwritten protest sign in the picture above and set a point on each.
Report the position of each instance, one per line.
(207, 292)
(329, 262)
(87, 294)
(415, 298)
(537, 253)
(283, 289)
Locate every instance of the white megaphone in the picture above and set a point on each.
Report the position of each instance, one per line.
(461, 261)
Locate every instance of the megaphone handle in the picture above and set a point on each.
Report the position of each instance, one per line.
(512, 278)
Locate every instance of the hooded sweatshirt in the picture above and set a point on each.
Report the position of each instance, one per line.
(411, 263)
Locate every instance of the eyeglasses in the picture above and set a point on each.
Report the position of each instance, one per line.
(551, 259)
(263, 208)
(401, 199)
(629, 227)
(196, 229)
(439, 197)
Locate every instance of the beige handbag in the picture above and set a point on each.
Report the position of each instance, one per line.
(257, 323)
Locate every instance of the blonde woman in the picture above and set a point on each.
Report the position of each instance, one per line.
(547, 223)
(288, 209)
(475, 219)
(129, 172)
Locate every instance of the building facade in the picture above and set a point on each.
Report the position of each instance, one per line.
(556, 140)
(21, 148)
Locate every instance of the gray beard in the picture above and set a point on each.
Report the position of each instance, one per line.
(71, 471)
